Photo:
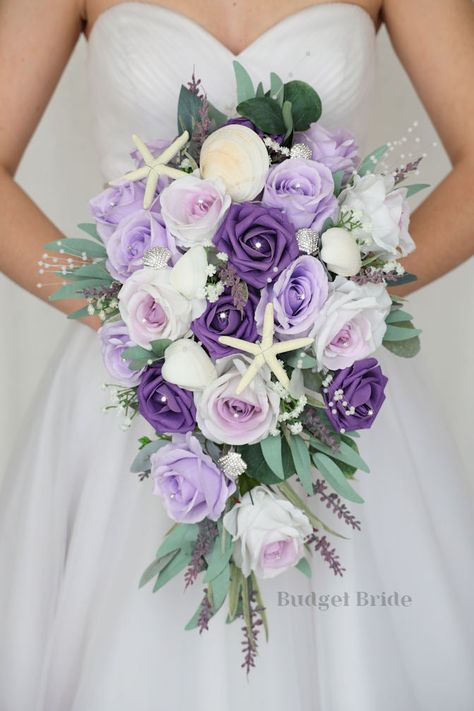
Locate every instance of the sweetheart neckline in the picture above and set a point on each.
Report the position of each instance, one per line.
(155, 7)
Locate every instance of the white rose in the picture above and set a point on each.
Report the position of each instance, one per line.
(224, 416)
(269, 532)
(187, 364)
(383, 211)
(340, 252)
(189, 274)
(351, 324)
(193, 209)
(236, 155)
(153, 308)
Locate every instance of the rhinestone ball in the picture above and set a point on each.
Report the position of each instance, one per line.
(156, 257)
(308, 240)
(232, 464)
(301, 150)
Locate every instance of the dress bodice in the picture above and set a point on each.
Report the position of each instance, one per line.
(140, 54)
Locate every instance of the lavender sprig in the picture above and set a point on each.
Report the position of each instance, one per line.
(315, 426)
(374, 275)
(204, 542)
(323, 547)
(401, 173)
(238, 289)
(251, 632)
(333, 502)
(205, 613)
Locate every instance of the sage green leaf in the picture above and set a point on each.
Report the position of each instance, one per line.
(158, 347)
(260, 91)
(338, 177)
(216, 116)
(397, 315)
(312, 381)
(91, 229)
(264, 112)
(135, 353)
(401, 332)
(406, 278)
(154, 568)
(304, 567)
(235, 588)
(404, 349)
(219, 587)
(413, 189)
(245, 89)
(188, 110)
(305, 102)
(92, 271)
(306, 360)
(369, 163)
(193, 622)
(72, 291)
(302, 462)
(276, 88)
(219, 557)
(80, 313)
(177, 563)
(76, 247)
(335, 478)
(271, 449)
(181, 535)
(345, 453)
(287, 117)
(141, 463)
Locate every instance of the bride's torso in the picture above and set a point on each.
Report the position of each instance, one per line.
(140, 54)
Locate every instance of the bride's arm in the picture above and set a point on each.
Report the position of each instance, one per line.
(36, 40)
(434, 40)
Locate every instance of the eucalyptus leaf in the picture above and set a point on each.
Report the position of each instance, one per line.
(397, 315)
(76, 246)
(276, 88)
(72, 291)
(271, 449)
(401, 332)
(306, 360)
(335, 478)
(346, 453)
(245, 89)
(287, 118)
(404, 349)
(235, 589)
(304, 567)
(369, 163)
(155, 568)
(305, 102)
(302, 462)
(91, 229)
(219, 557)
(176, 564)
(338, 177)
(181, 535)
(406, 278)
(413, 189)
(264, 112)
(96, 271)
(80, 313)
(220, 587)
(188, 110)
(141, 463)
(260, 91)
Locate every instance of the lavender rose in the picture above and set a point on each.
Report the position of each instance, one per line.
(223, 318)
(133, 236)
(114, 204)
(259, 241)
(303, 189)
(336, 148)
(114, 338)
(247, 418)
(297, 296)
(355, 395)
(190, 484)
(166, 407)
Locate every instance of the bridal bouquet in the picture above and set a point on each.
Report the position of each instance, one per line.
(240, 271)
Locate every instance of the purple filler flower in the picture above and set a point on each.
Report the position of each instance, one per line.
(191, 485)
(337, 148)
(303, 189)
(355, 395)
(167, 407)
(297, 296)
(259, 241)
(114, 338)
(134, 235)
(223, 318)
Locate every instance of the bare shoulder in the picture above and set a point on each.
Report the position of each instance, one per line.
(36, 40)
(434, 40)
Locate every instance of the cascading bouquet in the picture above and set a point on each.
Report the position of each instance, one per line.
(241, 274)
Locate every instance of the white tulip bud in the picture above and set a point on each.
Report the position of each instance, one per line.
(188, 365)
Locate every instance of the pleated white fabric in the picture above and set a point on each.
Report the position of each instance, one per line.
(77, 529)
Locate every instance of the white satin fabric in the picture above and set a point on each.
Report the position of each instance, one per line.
(77, 529)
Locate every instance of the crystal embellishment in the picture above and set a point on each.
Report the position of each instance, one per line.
(232, 464)
(308, 240)
(156, 257)
(301, 150)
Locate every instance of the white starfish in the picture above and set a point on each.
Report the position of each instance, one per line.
(265, 351)
(154, 166)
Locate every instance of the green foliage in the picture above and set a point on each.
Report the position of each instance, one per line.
(302, 462)
(245, 89)
(271, 450)
(413, 189)
(335, 477)
(189, 105)
(257, 467)
(369, 163)
(348, 453)
(139, 357)
(264, 112)
(76, 246)
(305, 103)
(304, 567)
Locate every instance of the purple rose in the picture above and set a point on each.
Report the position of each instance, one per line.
(337, 149)
(191, 485)
(166, 407)
(223, 318)
(132, 237)
(297, 296)
(114, 204)
(114, 338)
(303, 189)
(355, 395)
(259, 241)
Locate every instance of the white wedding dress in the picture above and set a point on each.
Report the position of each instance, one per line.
(77, 529)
